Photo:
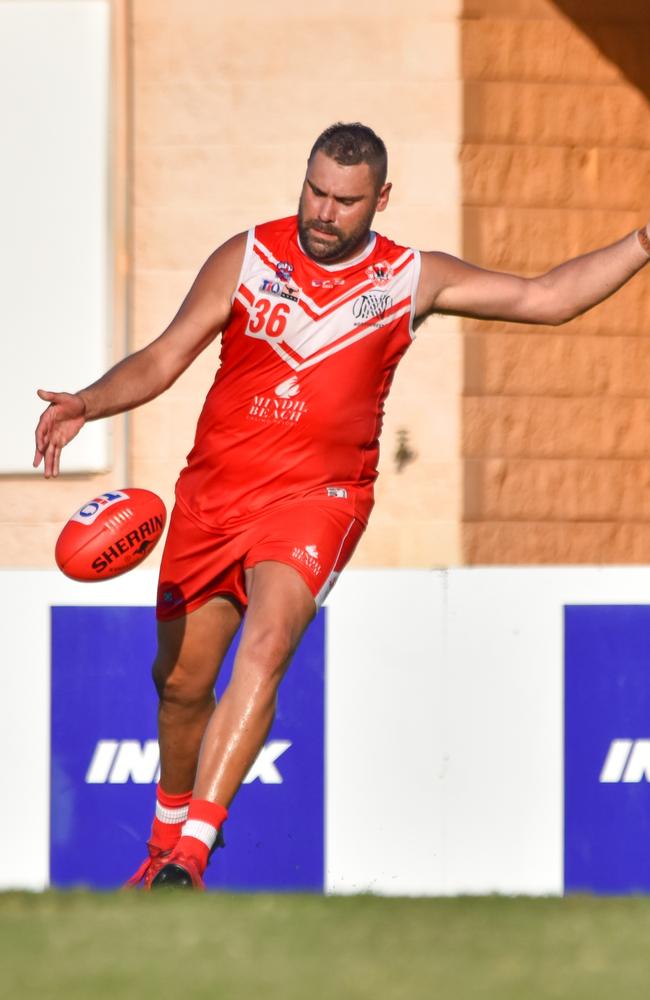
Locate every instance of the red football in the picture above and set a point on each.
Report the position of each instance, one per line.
(111, 534)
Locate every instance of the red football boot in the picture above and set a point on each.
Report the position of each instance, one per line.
(178, 871)
(148, 869)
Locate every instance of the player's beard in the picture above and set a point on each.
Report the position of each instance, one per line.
(328, 251)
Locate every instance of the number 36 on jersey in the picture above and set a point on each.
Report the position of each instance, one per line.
(268, 319)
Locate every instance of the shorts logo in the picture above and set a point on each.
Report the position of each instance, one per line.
(337, 491)
(309, 557)
(290, 387)
(371, 305)
(171, 595)
(91, 511)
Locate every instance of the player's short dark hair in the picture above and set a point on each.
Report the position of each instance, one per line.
(351, 143)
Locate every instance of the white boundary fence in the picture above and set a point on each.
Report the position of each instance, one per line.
(444, 734)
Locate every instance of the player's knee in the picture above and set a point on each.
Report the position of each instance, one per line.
(268, 651)
(178, 685)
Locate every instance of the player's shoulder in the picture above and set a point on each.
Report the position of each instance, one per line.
(233, 249)
(387, 248)
(275, 229)
(226, 259)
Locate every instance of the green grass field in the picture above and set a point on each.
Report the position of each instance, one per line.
(280, 947)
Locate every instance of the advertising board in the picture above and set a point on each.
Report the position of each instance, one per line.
(607, 748)
(105, 760)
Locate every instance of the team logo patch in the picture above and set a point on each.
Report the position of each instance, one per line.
(381, 273)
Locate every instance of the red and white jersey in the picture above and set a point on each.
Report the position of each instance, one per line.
(307, 360)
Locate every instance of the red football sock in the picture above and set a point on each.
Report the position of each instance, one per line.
(171, 813)
(201, 830)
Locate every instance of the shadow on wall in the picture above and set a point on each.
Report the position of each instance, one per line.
(620, 30)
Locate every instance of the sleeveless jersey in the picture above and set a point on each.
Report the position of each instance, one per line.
(307, 359)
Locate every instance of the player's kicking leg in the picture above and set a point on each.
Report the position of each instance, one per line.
(280, 606)
(191, 650)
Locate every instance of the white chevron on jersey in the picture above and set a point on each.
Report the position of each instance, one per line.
(314, 332)
(350, 339)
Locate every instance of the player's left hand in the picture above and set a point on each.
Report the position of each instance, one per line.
(63, 419)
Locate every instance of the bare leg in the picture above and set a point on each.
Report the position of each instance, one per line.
(280, 608)
(190, 653)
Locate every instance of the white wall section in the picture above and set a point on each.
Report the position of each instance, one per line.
(54, 254)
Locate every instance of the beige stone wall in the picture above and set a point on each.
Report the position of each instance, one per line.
(556, 161)
(212, 123)
(226, 106)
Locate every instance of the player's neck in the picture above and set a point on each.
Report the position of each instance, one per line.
(357, 254)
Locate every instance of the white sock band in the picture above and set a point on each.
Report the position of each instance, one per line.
(205, 832)
(166, 815)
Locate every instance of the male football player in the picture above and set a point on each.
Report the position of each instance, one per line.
(315, 312)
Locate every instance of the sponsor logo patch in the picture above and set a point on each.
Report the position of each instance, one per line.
(290, 387)
(371, 305)
(275, 410)
(282, 289)
(309, 557)
(327, 282)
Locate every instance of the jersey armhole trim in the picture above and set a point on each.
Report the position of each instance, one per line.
(415, 279)
(250, 239)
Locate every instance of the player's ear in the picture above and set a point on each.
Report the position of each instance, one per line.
(383, 196)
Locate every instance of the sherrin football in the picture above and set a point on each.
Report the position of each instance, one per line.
(110, 534)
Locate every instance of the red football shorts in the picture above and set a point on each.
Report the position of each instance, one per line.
(317, 538)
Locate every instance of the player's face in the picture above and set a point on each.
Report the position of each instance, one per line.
(336, 209)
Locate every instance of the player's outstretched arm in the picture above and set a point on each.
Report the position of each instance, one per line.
(147, 373)
(450, 285)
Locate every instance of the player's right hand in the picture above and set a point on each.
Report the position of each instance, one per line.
(59, 423)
